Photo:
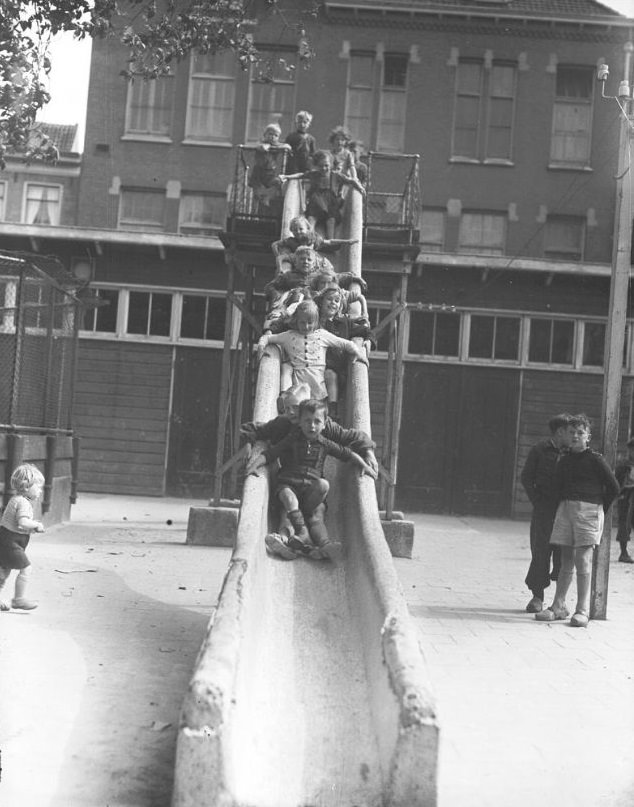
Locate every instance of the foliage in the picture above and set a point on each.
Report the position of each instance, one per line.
(158, 34)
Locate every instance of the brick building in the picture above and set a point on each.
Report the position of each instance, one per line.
(507, 281)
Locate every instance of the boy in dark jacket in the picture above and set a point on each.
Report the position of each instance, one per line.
(538, 480)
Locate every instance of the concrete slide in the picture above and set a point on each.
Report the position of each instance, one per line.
(310, 689)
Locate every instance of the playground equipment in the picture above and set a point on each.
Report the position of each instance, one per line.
(310, 689)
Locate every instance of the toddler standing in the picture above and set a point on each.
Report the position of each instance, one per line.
(16, 525)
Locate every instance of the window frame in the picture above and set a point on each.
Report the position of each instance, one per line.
(201, 229)
(25, 201)
(4, 186)
(560, 103)
(485, 104)
(155, 136)
(285, 119)
(141, 224)
(482, 248)
(562, 255)
(225, 78)
(123, 304)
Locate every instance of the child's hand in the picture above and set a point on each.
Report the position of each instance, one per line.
(370, 458)
(254, 464)
(262, 344)
(363, 466)
(39, 527)
(361, 356)
(249, 431)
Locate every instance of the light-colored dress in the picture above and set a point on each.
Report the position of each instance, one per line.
(306, 353)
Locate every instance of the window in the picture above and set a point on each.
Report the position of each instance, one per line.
(8, 304)
(272, 94)
(551, 341)
(203, 317)
(211, 98)
(392, 105)
(3, 200)
(363, 97)
(482, 233)
(42, 204)
(434, 333)
(202, 213)
(359, 97)
(103, 318)
(432, 230)
(149, 313)
(149, 109)
(142, 210)
(593, 344)
(493, 337)
(484, 111)
(572, 116)
(564, 238)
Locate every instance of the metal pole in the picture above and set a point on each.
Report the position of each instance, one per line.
(615, 340)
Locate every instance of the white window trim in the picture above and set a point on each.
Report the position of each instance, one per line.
(120, 333)
(27, 185)
(190, 140)
(145, 136)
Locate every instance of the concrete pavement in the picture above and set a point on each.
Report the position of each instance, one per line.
(91, 683)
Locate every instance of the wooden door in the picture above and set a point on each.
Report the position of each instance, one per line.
(194, 421)
(457, 443)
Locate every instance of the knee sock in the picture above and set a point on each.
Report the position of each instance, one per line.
(583, 594)
(299, 525)
(21, 582)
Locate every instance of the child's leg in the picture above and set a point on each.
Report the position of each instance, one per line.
(286, 376)
(4, 576)
(583, 565)
(564, 580)
(290, 503)
(315, 495)
(332, 387)
(21, 583)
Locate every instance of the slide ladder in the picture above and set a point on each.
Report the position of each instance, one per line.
(310, 688)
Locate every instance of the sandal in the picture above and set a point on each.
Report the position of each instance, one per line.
(579, 620)
(552, 615)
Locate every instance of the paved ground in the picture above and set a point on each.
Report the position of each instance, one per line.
(91, 682)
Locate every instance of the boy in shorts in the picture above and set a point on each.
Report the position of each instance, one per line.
(586, 488)
(300, 486)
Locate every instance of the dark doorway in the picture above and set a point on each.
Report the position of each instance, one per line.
(457, 443)
(192, 444)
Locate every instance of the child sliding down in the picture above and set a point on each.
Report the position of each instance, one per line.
(300, 487)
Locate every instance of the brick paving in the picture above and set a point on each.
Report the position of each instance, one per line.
(91, 682)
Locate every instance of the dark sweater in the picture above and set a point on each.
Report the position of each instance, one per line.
(276, 429)
(538, 474)
(303, 457)
(586, 477)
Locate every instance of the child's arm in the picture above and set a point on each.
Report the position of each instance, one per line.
(330, 340)
(26, 522)
(355, 439)
(347, 455)
(611, 487)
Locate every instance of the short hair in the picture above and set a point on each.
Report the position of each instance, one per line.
(581, 421)
(301, 251)
(24, 476)
(273, 127)
(340, 131)
(304, 114)
(298, 220)
(559, 421)
(320, 155)
(313, 405)
(310, 312)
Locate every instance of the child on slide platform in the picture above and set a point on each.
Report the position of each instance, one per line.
(300, 486)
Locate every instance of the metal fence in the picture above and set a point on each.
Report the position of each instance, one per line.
(39, 319)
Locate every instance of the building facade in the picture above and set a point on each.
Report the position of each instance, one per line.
(507, 289)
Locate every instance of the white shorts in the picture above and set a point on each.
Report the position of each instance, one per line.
(578, 524)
